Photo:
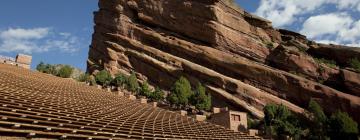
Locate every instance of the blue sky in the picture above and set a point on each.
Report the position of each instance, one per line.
(59, 31)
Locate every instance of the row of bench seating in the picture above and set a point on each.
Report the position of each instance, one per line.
(34, 104)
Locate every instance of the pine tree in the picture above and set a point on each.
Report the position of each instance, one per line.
(180, 93)
(200, 99)
(132, 83)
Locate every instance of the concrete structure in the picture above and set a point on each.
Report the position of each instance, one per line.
(253, 132)
(183, 112)
(143, 101)
(200, 118)
(21, 60)
(233, 120)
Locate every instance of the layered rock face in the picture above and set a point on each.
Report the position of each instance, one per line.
(241, 59)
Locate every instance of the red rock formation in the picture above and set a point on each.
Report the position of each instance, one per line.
(240, 58)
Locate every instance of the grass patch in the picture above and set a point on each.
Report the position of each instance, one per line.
(330, 63)
(355, 64)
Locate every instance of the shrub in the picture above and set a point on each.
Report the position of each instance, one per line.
(132, 83)
(355, 64)
(157, 95)
(119, 80)
(200, 100)
(180, 92)
(65, 71)
(145, 90)
(103, 78)
(84, 77)
(330, 63)
(341, 126)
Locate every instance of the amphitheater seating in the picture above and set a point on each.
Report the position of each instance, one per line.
(37, 105)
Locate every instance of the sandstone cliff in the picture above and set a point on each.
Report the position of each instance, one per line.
(243, 61)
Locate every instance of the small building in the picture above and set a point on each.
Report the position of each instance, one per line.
(21, 60)
(233, 120)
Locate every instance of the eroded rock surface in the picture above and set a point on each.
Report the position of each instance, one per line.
(240, 57)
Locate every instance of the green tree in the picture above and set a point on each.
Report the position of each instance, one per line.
(65, 71)
(279, 121)
(119, 80)
(200, 99)
(180, 92)
(41, 67)
(317, 121)
(132, 83)
(103, 78)
(145, 90)
(157, 95)
(343, 127)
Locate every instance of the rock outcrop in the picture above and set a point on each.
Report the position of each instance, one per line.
(243, 61)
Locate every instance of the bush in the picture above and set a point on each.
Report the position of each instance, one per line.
(65, 71)
(119, 80)
(180, 92)
(200, 100)
(330, 63)
(145, 90)
(355, 64)
(84, 77)
(132, 83)
(157, 95)
(341, 126)
(103, 78)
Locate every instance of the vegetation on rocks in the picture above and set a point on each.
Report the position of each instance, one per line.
(330, 63)
(103, 78)
(84, 77)
(157, 95)
(200, 99)
(132, 83)
(65, 71)
(46, 68)
(145, 90)
(280, 122)
(355, 64)
(180, 93)
(119, 80)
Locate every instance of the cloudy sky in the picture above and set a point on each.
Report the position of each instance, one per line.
(59, 31)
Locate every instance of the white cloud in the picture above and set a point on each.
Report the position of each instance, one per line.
(326, 24)
(36, 40)
(36, 33)
(334, 28)
(286, 12)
